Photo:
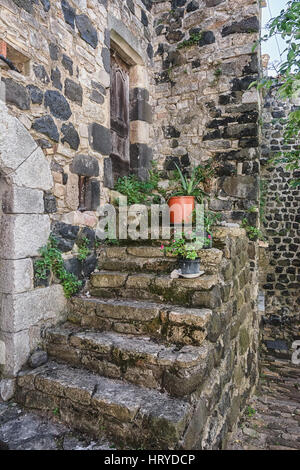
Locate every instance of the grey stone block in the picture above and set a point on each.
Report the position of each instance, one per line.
(100, 138)
(16, 200)
(85, 165)
(23, 235)
(26, 309)
(16, 276)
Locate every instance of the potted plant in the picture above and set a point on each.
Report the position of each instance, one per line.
(186, 249)
(182, 202)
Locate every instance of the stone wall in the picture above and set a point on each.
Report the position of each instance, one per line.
(58, 92)
(55, 131)
(24, 228)
(204, 64)
(279, 263)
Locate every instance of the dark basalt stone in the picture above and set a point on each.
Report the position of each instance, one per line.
(92, 194)
(86, 233)
(41, 74)
(55, 78)
(171, 162)
(106, 59)
(70, 136)
(99, 87)
(107, 38)
(49, 203)
(170, 132)
(148, 4)
(67, 64)
(45, 125)
(67, 231)
(138, 94)
(212, 135)
(27, 5)
(46, 5)
(247, 25)
(252, 67)
(178, 3)
(108, 173)
(69, 13)
(150, 52)
(74, 266)
(96, 97)
(85, 165)
(89, 265)
(37, 358)
(207, 37)
(100, 138)
(58, 105)
(159, 29)
(73, 91)
(140, 110)
(243, 83)
(86, 30)
(192, 6)
(54, 51)
(144, 18)
(185, 160)
(213, 3)
(140, 160)
(44, 143)
(130, 5)
(16, 94)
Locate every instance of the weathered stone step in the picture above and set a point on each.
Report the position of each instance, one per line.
(203, 291)
(137, 359)
(125, 413)
(152, 259)
(180, 325)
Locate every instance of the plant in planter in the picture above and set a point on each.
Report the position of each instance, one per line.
(182, 201)
(186, 249)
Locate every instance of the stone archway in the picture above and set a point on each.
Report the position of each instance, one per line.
(24, 228)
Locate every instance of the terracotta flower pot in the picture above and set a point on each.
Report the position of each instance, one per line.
(181, 208)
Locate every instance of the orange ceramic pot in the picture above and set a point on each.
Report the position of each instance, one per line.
(181, 208)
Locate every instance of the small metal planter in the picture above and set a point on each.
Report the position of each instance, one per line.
(190, 268)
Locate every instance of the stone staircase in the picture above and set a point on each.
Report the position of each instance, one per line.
(137, 355)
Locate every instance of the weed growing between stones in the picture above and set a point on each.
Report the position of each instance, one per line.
(83, 251)
(253, 233)
(194, 39)
(250, 412)
(52, 261)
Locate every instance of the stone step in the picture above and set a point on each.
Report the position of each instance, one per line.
(175, 324)
(136, 359)
(152, 259)
(127, 414)
(203, 291)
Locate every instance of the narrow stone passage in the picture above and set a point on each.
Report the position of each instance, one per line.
(272, 418)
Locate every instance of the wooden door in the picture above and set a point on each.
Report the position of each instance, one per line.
(119, 117)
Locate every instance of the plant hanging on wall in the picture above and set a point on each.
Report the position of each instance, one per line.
(51, 261)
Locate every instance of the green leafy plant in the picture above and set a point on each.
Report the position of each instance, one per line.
(250, 412)
(52, 261)
(56, 411)
(188, 186)
(210, 219)
(253, 233)
(184, 247)
(194, 39)
(138, 191)
(83, 250)
(287, 82)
